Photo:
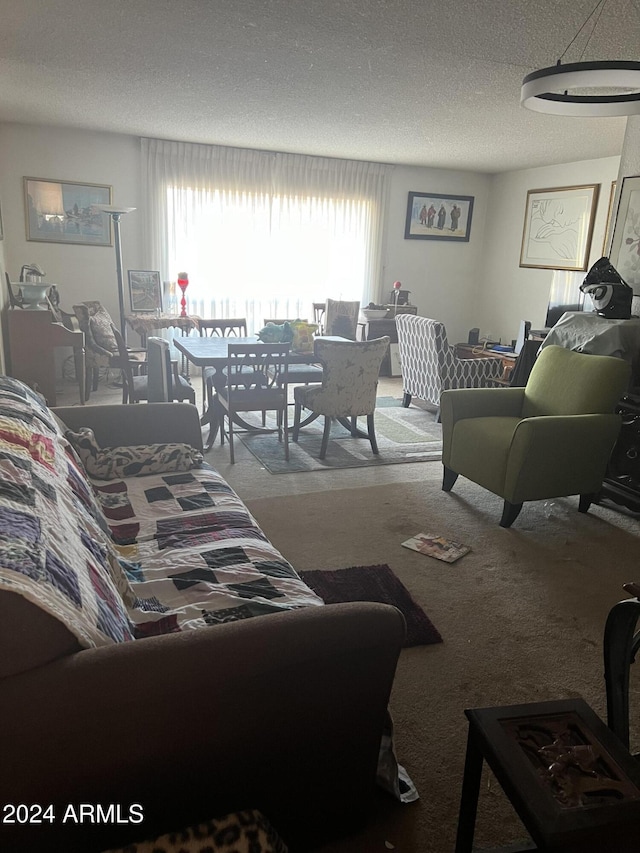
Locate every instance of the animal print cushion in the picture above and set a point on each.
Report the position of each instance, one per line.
(112, 463)
(243, 832)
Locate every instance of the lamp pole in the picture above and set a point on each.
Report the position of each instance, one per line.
(116, 214)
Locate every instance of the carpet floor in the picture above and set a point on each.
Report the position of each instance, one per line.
(374, 583)
(521, 616)
(403, 435)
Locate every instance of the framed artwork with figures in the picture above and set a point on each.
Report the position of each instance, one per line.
(433, 216)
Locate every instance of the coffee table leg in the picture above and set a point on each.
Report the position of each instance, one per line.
(469, 796)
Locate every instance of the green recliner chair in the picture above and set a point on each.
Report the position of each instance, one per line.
(550, 439)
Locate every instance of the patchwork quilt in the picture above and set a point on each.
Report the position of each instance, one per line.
(122, 559)
(193, 554)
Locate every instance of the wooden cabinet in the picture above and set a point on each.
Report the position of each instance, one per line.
(622, 480)
(378, 329)
(33, 336)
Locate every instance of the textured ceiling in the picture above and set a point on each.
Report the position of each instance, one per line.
(422, 83)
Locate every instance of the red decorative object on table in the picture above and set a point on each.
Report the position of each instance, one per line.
(183, 283)
(396, 286)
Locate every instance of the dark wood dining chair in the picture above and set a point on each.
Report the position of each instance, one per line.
(254, 389)
(235, 327)
(135, 389)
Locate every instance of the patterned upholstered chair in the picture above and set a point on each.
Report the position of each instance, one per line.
(101, 347)
(348, 389)
(430, 366)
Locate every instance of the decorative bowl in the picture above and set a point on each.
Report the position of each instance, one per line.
(374, 313)
(33, 294)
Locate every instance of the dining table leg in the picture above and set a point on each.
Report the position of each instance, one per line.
(211, 416)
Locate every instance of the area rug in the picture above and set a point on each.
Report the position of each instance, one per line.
(374, 583)
(404, 435)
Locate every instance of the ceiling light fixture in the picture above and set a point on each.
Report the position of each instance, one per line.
(572, 89)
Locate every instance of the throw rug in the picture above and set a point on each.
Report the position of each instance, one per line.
(374, 583)
(404, 435)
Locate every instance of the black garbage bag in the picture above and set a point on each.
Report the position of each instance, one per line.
(610, 293)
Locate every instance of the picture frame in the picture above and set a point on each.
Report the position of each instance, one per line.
(625, 243)
(609, 222)
(429, 217)
(145, 291)
(558, 227)
(63, 212)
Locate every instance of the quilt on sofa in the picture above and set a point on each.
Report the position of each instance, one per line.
(205, 558)
(193, 553)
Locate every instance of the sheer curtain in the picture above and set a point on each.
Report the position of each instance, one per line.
(262, 235)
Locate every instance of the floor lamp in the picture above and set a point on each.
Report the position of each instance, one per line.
(116, 213)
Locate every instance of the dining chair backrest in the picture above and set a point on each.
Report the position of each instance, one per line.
(278, 322)
(350, 380)
(159, 382)
(319, 309)
(341, 318)
(230, 328)
(123, 362)
(256, 367)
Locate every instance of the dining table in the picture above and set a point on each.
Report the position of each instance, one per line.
(214, 352)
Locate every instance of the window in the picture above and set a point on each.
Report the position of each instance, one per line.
(263, 235)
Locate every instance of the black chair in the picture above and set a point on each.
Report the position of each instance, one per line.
(137, 388)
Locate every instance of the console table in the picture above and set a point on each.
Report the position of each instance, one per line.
(146, 324)
(508, 359)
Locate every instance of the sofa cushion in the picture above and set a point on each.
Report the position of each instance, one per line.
(110, 463)
(303, 333)
(100, 325)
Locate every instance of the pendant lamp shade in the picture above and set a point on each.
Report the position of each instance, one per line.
(556, 89)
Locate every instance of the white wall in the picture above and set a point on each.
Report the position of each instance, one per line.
(510, 293)
(442, 275)
(81, 272)
(478, 283)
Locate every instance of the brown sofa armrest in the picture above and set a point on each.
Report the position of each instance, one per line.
(150, 423)
(283, 713)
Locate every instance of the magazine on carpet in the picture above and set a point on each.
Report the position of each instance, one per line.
(437, 546)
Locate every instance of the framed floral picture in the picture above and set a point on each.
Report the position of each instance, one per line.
(145, 291)
(431, 216)
(625, 244)
(63, 212)
(558, 227)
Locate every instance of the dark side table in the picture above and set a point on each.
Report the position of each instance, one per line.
(573, 784)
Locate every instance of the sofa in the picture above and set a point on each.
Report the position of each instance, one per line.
(161, 660)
